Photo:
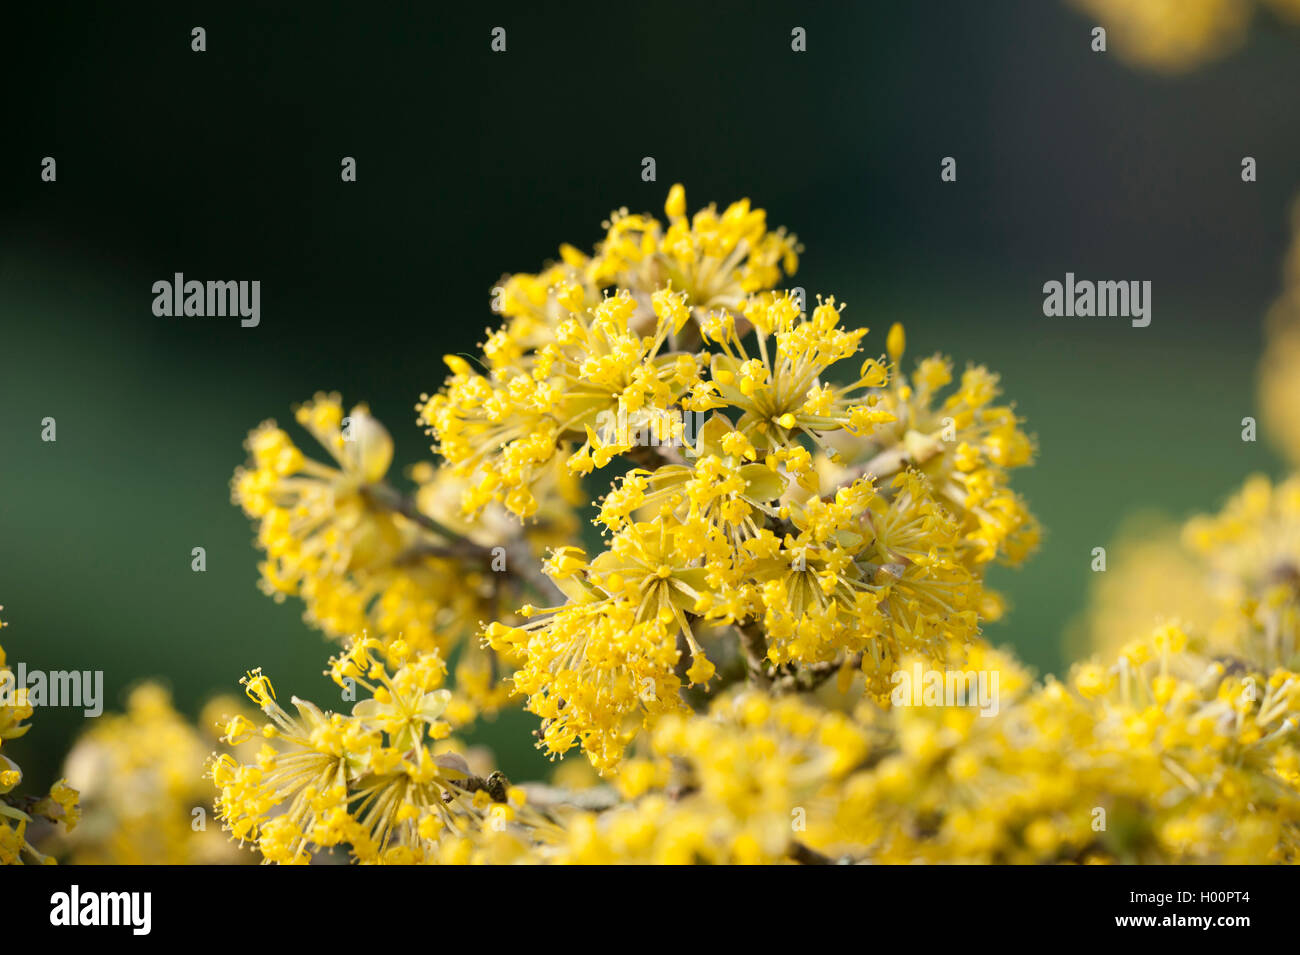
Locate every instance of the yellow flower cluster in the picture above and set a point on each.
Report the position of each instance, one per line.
(376, 781)
(509, 441)
(367, 560)
(17, 813)
(144, 800)
(814, 518)
(605, 338)
(964, 442)
(1177, 35)
(785, 509)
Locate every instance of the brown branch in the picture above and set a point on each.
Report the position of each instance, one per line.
(653, 456)
(685, 658)
(803, 855)
(885, 464)
(519, 562)
(808, 678)
(753, 646)
(385, 497)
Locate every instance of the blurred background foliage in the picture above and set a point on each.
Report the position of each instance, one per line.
(225, 165)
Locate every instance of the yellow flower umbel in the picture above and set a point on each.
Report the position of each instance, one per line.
(571, 373)
(513, 432)
(962, 440)
(374, 780)
(597, 668)
(876, 575)
(718, 260)
(863, 577)
(327, 535)
(17, 812)
(367, 560)
(780, 392)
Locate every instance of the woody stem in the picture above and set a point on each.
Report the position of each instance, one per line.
(753, 646)
(518, 561)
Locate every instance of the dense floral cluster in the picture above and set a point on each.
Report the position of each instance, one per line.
(367, 560)
(782, 510)
(787, 525)
(780, 507)
(777, 503)
(601, 334)
(1251, 552)
(377, 781)
(1232, 577)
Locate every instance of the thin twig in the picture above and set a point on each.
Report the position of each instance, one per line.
(594, 799)
(519, 562)
(803, 855)
(753, 646)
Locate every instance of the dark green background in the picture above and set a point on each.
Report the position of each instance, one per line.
(225, 165)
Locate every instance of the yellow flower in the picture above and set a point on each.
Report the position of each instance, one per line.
(573, 402)
(963, 442)
(779, 391)
(374, 780)
(716, 259)
(367, 560)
